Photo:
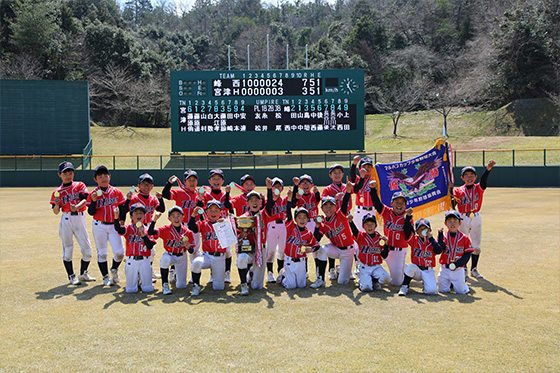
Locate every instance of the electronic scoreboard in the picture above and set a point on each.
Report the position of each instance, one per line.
(267, 110)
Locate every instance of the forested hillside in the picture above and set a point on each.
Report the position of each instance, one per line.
(417, 54)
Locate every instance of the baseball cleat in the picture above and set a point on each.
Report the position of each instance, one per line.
(115, 275)
(475, 274)
(271, 278)
(403, 291)
(74, 280)
(165, 288)
(107, 281)
(318, 283)
(85, 277)
(227, 277)
(376, 286)
(190, 280)
(280, 276)
(244, 289)
(352, 276)
(332, 274)
(195, 290)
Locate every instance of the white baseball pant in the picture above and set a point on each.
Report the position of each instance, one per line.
(138, 268)
(472, 227)
(428, 277)
(74, 225)
(181, 264)
(197, 243)
(217, 265)
(395, 261)
(294, 273)
(446, 277)
(367, 273)
(346, 259)
(243, 261)
(359, 213)
(275, 240)
(104, 234)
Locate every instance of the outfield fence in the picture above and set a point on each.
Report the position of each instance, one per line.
(503, 157)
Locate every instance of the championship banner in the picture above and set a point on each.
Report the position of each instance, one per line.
(424, 180)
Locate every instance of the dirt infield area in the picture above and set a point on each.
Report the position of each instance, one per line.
(510, 321)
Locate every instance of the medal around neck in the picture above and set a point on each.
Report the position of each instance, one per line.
(99, 192)
(277, 192)
(201, 190)
(174, 179)
(319, 219)
(381, 242)
(56, 194)
(303, 249)
(301, 192)
(138, 224)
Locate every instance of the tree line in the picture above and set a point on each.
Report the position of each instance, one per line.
(417, 54)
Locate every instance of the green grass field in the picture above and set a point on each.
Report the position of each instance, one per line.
(509, 322)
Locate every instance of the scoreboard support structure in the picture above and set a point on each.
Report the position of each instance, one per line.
(235, 111)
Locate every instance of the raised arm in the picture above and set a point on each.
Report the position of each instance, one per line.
(374, 197)
(484, 178)
(408, 228)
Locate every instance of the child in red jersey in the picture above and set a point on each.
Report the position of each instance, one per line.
(239, 203)
(335, 226)
(299, 242)
(101, 203)
(372, 249)
(457, 250)
(213, 254)
(150, 202)
(71, 198)
(361, 188)
(423, 251)
(138, 250)
(468, 200)
(393, 218)
(177, 241)
(336, 189)
(276, 208)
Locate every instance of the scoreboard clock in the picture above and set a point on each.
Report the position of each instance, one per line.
(267, 110)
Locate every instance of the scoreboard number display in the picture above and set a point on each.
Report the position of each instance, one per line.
(267, 110)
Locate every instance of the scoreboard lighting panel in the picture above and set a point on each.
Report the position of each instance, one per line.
(267, 110)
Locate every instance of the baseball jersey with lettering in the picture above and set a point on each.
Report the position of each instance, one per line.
(239, 204)
(471, 198)
(369, 249)
(393, 227)
(149, 201)
(105, 204)
(295, 239)
(332, 190)
(134, 242)
(279, 209)
(422, 252)
(70, 195)
(455, 247)
(185, 199)
(337, 229)
(173, 240)
(309, 202)
(209, 238)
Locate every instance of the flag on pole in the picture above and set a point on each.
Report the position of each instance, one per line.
(424, 180)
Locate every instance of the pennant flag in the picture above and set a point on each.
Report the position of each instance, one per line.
(424, 180)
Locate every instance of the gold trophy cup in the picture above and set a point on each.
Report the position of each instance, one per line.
(247, 225)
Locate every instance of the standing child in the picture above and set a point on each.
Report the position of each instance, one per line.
(336, 189)
(372, 249)
(186, 197)
(138, 250)
(276, 208)
(101, 203)
(361, 188)
(393, 218)
(177, 241)
(213, 254)
(456, 252)
(216, 180)
(250, 270)
(70, 197)
(468, 199)
(239, 203)
(423, 251)
(150, 202)
(299, 242)
(337, 229)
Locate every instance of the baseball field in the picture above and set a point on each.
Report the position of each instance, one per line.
(510, 321)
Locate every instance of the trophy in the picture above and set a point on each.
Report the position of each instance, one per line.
(247, 225)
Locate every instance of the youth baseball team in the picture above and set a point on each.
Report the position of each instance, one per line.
(274, 232)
